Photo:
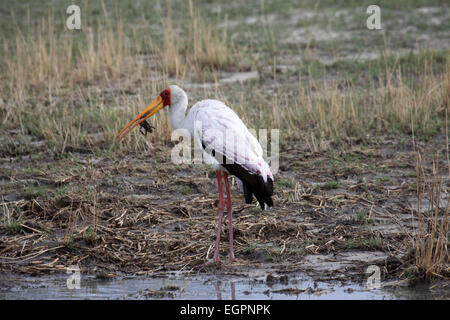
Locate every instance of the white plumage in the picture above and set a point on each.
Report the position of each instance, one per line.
(217, 127)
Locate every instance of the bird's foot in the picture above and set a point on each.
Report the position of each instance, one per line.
(232, 257)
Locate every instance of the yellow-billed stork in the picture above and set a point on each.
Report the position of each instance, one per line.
(226, 144)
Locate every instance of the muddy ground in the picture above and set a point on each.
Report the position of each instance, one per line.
(335, 214)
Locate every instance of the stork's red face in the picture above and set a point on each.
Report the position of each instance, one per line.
(160, 102)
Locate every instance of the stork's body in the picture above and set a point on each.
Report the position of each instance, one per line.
(227, 145)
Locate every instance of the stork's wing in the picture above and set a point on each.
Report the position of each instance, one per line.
(220, 129)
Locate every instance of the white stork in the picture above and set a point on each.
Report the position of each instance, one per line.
(226, 143)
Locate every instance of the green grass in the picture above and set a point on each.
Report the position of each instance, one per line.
(369, 242)
(332, 184)
(286, 183)
(383, 180)
(30, 191)
(11, 219)
(90, 235)
(363, 218)
(186, 190)
(61, 192)
(371, 70)
(256, 209)
(12, 226)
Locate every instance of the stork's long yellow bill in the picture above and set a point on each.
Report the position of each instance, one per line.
(151, 109)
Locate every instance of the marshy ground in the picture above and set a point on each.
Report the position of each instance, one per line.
(363, 174)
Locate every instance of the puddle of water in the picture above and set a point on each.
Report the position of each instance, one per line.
(205, 287)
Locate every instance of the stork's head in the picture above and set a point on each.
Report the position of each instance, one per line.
(167, 97)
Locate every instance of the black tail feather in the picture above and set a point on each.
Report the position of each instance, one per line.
(248, 195)
(254, 184)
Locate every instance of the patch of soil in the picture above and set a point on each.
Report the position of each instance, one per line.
(135, 218)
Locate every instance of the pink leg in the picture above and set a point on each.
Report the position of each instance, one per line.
(230, 222)
(221, 207)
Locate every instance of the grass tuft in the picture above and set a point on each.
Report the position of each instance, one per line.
(11, 220)
(431, 237)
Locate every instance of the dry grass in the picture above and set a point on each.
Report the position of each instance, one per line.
(113, 235)
(52, 83)
(384, 106)
(116, 238)
(204, 47)
(54, 86)
(431, 238)
(207, 46)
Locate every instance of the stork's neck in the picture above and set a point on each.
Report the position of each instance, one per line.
(177, 111)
